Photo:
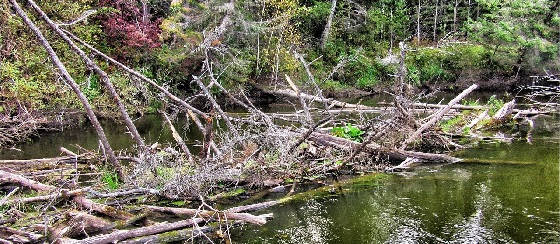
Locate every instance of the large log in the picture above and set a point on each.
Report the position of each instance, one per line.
(373, 148)
(226, 215)
(292, 94)
(78, 224)
(437, 116)
(504, 112)
(142, 231)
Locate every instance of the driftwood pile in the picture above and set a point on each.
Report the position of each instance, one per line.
(254, 150)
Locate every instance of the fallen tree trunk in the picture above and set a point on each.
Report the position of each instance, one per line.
(136, 74)
(456, 106)
(62, 194)
(6, 177)
(44, 161)
(372, 148)
(91, 64)
(142, 231)
(289, 93)
(504, 112)
(177, 137)
(78, 224)
(111, 157)
(226, 215)
(437, 116)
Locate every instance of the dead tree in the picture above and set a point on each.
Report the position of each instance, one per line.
(435, 20)
(418, 23)
(177, 137)
(143, 78)
(92, 65)
(110, 155)
(437, 116)
(327, 29)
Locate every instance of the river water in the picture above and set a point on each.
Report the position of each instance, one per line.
(515, 198)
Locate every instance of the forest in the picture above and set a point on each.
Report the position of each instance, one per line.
(156, 121)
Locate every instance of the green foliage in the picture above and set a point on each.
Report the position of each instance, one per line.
(349, 132)
(110, 179)
(494, 105)
(518, 31)
(450, 124)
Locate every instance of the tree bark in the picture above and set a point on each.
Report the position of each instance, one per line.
(70, 81)
(455, 15)
(6, 177)
(226, 215)
(311, 78)
(328, 26)
(216, 106)
(104, 77)
(435, 20)
(332, 102)
(301, 100)
(437, 116)
(177, 137)
(392, 154)
(143, 231)
(418, 23)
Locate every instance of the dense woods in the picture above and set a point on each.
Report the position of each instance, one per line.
(218, 66)
(347, 44)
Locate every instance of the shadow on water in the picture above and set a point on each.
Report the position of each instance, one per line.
(151, 127)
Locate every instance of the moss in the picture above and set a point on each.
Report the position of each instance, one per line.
(344, 186)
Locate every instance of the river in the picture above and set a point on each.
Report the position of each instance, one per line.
(513, 199)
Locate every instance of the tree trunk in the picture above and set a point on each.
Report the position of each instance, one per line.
(104, 77)
(143, 78)
(327, 29)
(418, 23)
(455, 15)
(435, 20)
(143, 231)
(177, 137)
(437, 116)
(145, 12)
(226, 215)
(70, 81)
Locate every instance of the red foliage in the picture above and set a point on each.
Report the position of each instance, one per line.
(129, 26)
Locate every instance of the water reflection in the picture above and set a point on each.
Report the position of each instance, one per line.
(463, 203)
